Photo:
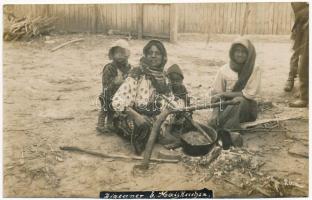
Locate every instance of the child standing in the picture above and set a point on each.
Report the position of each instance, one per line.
(114, 74)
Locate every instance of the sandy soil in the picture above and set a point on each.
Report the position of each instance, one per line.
(50, 100)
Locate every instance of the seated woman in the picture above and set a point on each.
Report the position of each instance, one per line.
(138, 101)
(239, 81)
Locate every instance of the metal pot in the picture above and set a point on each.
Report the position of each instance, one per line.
(201, 148)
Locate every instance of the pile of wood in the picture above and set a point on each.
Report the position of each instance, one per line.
(26, 28)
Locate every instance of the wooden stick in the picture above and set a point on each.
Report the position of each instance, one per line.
(303, 155)
(195, 124)
(198, 127)
(252, 130)
(205, 106)
(232, 183)
(103, 155)
(152, 138)
(263, 121)
(262, 191)
(66, 43)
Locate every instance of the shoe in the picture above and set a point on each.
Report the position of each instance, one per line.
(289, 85)
(299, 104)
(297, 95)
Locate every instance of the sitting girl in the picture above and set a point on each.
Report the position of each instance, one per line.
(239, 81)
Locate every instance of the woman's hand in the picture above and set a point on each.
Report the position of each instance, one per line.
(225, 96)
(141, 120)
(216, 98)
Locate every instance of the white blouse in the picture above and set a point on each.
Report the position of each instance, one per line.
(226, 79)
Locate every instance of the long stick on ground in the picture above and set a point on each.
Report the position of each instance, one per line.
(66, 43)
(103, 155)
(263, 121)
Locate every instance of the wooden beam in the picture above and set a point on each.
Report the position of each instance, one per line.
(173, 23)
(140, 21)
(96, 18)
(245, 19)
(157, 35)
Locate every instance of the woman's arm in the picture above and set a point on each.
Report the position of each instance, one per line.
(138, 119)
(124, 99)
(225, 96)
(231, 95)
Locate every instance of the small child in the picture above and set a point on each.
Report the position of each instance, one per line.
(179, 124)
(175, 76)
(114, 74)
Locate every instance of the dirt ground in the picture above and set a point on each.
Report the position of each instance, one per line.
(50, 100)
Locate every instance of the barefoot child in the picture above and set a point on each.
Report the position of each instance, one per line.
(114, 74)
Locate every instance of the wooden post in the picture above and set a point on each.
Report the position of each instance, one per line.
(245, 20)
(47, 13)
(140, 21)
(173, 23)
(96, 20)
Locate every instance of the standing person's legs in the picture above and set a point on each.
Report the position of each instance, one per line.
(292, 72)
(303, 74)
(294, 60)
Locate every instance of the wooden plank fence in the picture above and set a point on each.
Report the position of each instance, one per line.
(226, 18)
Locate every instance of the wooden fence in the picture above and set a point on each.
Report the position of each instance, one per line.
(157, 19)
(264, 18)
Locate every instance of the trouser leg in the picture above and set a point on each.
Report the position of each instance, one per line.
(304, 70)
(293, 66)
(233, 115)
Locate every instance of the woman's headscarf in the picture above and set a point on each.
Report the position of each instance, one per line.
(247, 67)
(162, 50)
(155, 74)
